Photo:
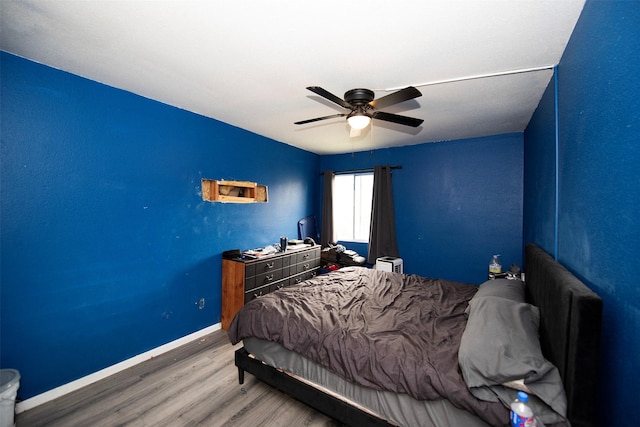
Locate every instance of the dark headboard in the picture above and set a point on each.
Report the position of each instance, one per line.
(570, 318)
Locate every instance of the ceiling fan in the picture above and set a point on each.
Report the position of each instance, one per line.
(363, 107)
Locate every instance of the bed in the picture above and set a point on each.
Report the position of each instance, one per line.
(348, 344)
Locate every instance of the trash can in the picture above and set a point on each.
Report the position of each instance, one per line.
(9, 383)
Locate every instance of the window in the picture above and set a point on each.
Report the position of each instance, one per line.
(352, 195)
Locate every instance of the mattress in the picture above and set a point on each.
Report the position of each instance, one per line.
(397, 409)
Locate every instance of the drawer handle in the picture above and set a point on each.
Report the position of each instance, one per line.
(259, 294)
(298, 279)
(305, 266)
(269, 265)
(279, 286)
(305, 256)
(268, 278)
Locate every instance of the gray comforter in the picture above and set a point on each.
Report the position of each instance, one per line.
(383, 330)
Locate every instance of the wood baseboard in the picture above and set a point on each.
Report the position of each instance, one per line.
(47, 396)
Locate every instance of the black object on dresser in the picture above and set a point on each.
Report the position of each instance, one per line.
(246, 279)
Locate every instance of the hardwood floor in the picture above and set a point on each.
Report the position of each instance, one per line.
(194, 385)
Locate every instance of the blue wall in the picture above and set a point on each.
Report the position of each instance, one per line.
(598, 194)
(106, 242)
(456, 203)
(539, 213)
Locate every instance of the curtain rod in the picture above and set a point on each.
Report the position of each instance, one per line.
(361, 170)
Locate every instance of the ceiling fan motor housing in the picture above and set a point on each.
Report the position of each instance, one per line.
(359, 96)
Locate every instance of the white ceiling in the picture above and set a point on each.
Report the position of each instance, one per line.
(247, 63)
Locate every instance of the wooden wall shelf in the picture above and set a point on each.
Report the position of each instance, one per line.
(233, 191)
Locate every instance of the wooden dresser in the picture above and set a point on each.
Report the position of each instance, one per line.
(246, 279)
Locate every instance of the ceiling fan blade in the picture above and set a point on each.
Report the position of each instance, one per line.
(328, 95)
(396, 118)
(319, 118)
(396, 97)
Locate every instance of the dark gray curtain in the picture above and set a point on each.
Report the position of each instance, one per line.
(326, 236)
(382, 234)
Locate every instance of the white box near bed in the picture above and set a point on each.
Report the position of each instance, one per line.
(389, 263)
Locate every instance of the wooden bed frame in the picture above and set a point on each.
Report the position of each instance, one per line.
(570, 318)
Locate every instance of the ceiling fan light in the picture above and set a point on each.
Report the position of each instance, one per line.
(359, 121)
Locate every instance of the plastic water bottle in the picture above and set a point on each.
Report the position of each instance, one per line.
(495, 267)
(521, 413)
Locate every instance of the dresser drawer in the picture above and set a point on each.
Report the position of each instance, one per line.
(309, 274)
(249, 270)
(279, 285)
(288, 270)
(268, 265)
(304, 266)
(287, 260)
(299, 278)
(268, 278)
(305, 256)
(295, 280)
(263, 279)
(255, 293)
